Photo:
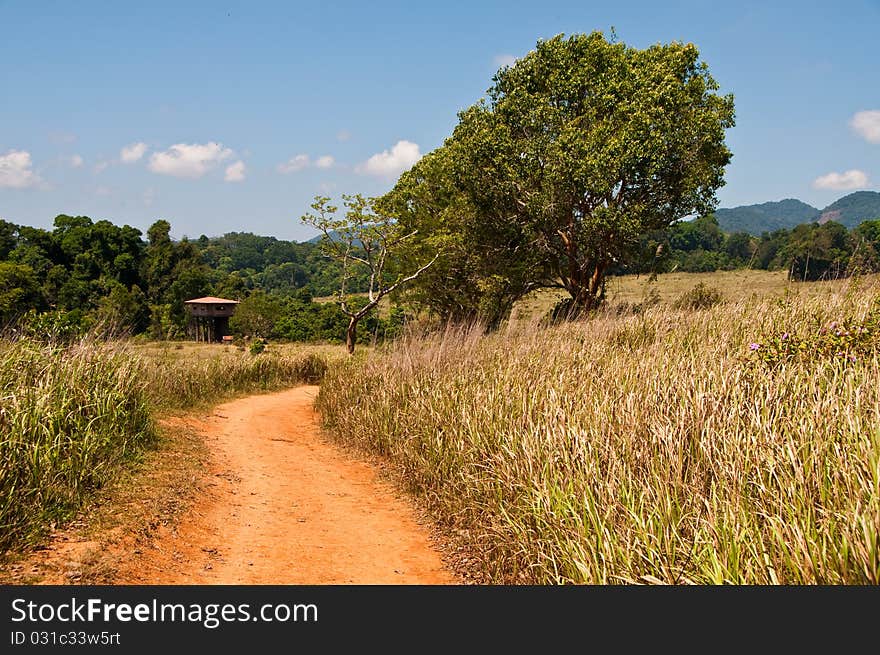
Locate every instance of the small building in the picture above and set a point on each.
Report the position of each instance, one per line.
(209, 317)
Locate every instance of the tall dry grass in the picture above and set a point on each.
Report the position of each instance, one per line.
(651, 448)
(72, 416)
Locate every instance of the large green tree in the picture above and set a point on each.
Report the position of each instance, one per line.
(582, 146)
(19, 291)
(256, 315)
(815, 252)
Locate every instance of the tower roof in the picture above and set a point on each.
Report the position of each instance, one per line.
(210, 300)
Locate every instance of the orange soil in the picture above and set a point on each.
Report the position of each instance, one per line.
(282, 506)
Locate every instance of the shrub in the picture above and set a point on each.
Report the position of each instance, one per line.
(847, 340)
(701, 296)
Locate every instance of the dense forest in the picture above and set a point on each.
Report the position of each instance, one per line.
(85, 274)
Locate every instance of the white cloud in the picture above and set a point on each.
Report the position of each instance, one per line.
(295, 164)
(343, 135)
(76, 161)
(189, 160)
(100, 166)
(853, 179)
(867, 124)
(504, 60)
(15, 170)
(235, 172)
(301, 162)
(387, 163)
(133, 152)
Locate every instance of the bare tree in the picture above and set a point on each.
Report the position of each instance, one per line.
(362, 238)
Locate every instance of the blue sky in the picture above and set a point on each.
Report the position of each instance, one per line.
(232, 116)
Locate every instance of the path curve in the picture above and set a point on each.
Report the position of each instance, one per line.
(282, 506)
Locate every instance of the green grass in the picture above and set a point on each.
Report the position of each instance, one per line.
(655, 447)
(69, 417)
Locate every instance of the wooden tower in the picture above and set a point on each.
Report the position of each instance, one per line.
(209, 317)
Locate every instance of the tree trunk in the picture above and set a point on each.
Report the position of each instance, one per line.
(587, 290)
(350, 335)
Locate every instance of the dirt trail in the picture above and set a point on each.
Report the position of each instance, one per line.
(284, 507)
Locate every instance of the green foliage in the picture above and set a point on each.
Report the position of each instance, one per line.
(846, 340)
(8, 238)
(770, 249)
(368, 240)
(865, 240)
(123, 311)
(257, 346)
(583, 145)
(739, 247)
(849, 210)
(815, 252)
(19, 290)
(481, 270)
(54, 327)
(243, 261)
(107, 276)
(701, 233)
(809, 252)
(256, 315)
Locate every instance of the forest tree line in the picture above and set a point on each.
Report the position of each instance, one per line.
(86, 273)
(809, 251)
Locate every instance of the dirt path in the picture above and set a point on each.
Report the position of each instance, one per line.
(284, 507)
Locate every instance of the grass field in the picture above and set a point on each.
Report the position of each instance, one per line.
(734, 285)
(737, 444)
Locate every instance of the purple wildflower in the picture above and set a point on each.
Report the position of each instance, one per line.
(754, 346)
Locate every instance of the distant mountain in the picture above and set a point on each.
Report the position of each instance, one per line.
(766, 217)
(853, 209)
(769, 216)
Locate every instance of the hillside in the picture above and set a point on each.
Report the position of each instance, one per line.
(766, 217)
(850, 210)
(853, 209)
